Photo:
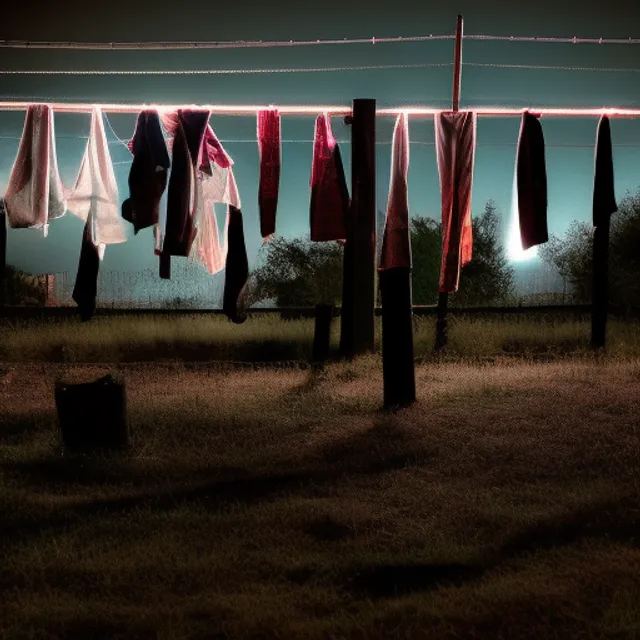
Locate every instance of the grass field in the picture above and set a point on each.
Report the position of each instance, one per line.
(285, 504)
(267, 338)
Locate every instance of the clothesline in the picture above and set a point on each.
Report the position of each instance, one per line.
(255, 44)
(336, 110)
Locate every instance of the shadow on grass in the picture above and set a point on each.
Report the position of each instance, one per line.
(393, 580)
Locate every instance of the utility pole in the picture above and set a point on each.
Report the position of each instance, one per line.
(443, 298)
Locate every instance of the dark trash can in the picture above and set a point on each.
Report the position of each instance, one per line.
(93, 415)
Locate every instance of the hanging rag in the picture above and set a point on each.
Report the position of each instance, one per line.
(396, 241)
(188, 130)
(215, 184)
(532, 183)
(329, 194)
(94, 197)
(85, 290)
(234, 302)
(148, 174)
(455, 147)
(35, 193)
(270, 158)
(604, 199)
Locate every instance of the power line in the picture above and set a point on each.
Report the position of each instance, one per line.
(194, 72)
(255, 44)
(550, 67)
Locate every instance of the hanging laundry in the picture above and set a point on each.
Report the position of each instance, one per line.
(329, 194)
(148, 175)
(216, 184)
(396, 241)
(188, 129)
(604, 198)
(270, 159)
(85, 290)
(94, 197)
(236, 289)
(455, 148)
(532, 183)
(35, 193)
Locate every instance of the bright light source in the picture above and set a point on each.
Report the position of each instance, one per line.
(515, 252)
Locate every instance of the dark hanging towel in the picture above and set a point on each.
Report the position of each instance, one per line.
(3, 252)
(85, 290)
(187, 149)
(148, 175)
(532, 183)
(270, 157)
(329, 194)
(604, 199)
(237, 270)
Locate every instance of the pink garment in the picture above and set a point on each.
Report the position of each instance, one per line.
(455, 146)
(94, 197)
(396, 242)
(270, 158)
(35, 193)
(217, 184)
(329, 194)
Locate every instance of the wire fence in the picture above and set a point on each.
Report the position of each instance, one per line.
(191, 289)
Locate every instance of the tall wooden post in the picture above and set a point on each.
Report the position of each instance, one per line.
(443, 298)
(600, 293)
(358, 322)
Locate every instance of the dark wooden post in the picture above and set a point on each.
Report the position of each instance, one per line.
(398, 370)
(600, 293)
(322, 333)
(443, 298)
(363, 181)
(3, 254)
(358, 304)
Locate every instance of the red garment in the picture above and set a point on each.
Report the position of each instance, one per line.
(396, 241)
(455, 146)
(329, 194)
(270, 158)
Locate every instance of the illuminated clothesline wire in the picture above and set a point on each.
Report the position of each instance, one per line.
(346, 142)
(375, 67)
(336, 110)
(260, 44)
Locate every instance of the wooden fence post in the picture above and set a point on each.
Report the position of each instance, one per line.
(322, 334)
(600, 293)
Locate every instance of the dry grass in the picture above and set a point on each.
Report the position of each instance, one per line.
(267, 338)
(285, 504)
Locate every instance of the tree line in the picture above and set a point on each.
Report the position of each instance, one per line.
(300, 273)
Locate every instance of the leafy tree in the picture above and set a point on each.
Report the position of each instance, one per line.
(486, 279)
(572, 255)
(426, 249)
(299, 272)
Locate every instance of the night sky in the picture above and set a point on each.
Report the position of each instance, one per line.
(569, 141)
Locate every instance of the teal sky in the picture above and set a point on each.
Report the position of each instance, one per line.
(569, 141)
